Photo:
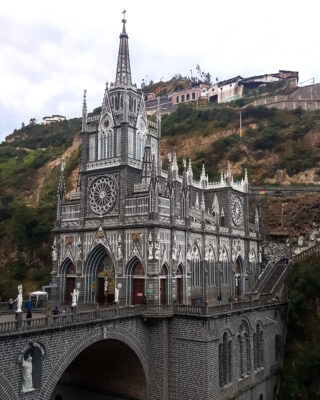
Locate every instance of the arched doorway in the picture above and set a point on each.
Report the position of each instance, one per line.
(164, 285)
(179, 289)
(106, 282)
(99, 276)
(106, 368)
(70, 283)
(138, 284)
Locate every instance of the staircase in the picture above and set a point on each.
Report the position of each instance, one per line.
(277, 270)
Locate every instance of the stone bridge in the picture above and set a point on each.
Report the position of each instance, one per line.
(142, 352)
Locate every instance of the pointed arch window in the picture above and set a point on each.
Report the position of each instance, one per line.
(211, 268)
(225, 361)
(253, 266)
(141, 138)
(244, 350)
(106, 144)
(258, 345)
(224, 266)
(195, 268)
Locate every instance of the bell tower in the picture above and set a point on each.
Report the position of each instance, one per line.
(118, 135)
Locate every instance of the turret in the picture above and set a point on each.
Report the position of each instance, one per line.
(146, 164)
(189, 173)
(61, 192)
(84, 111)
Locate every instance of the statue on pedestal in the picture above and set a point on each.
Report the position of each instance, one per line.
(116, 295)
(75, 296)
(27, 385)
(19, 299)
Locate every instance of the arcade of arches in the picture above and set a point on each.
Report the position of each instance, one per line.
(108, 369)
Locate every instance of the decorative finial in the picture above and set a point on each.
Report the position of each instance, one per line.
(124, 21)
(229, 170)
(184, 163)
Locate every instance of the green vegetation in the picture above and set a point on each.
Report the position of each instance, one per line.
(25, 231)
(300, 375)
(267, 133)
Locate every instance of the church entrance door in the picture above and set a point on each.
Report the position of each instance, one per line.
(179, 285)
(137, 291)
(163, 291)
(70, 286)
(163, 286)
(100, 294)
(138, 282)
(179, 297)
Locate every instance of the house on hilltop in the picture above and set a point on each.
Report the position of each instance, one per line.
(53, 119)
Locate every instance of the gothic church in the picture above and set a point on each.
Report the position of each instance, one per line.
(159, 237)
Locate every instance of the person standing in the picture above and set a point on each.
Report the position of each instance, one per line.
(10, 304)
(29, 316)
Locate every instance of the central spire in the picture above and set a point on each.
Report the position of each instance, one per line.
(123, 76)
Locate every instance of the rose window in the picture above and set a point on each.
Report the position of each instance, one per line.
(102, 195)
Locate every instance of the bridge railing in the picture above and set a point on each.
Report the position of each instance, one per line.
(150, 311)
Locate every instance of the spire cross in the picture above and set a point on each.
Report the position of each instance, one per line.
(124, 16)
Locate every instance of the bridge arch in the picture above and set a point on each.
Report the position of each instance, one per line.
(96, 336)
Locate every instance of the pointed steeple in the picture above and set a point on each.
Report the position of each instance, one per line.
(61, 186)
(256, 219)
(174, 167)
(61, 193)
(203, 177)
(123, 76)
(146, 164)
(190, 173)
(197, 201)
(84, 111)
(229, 178)
(203, 203)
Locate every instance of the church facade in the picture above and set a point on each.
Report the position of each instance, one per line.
(160, 237)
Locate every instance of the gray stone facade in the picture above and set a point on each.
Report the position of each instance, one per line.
(184, 256)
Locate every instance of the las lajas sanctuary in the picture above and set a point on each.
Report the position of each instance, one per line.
(163, 272)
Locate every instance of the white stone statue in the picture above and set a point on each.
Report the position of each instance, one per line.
(27, 385)
(119, 252)
(19, 299)
(189, 252)
(206, 252)
(116, 295)
(106, 284)
(54, 251)
(150, 251)
(157, 251)
(75, 296)
(174, 250)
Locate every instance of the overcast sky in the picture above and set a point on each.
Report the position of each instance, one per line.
(51, 50)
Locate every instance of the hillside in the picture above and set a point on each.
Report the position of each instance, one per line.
(278, 147)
